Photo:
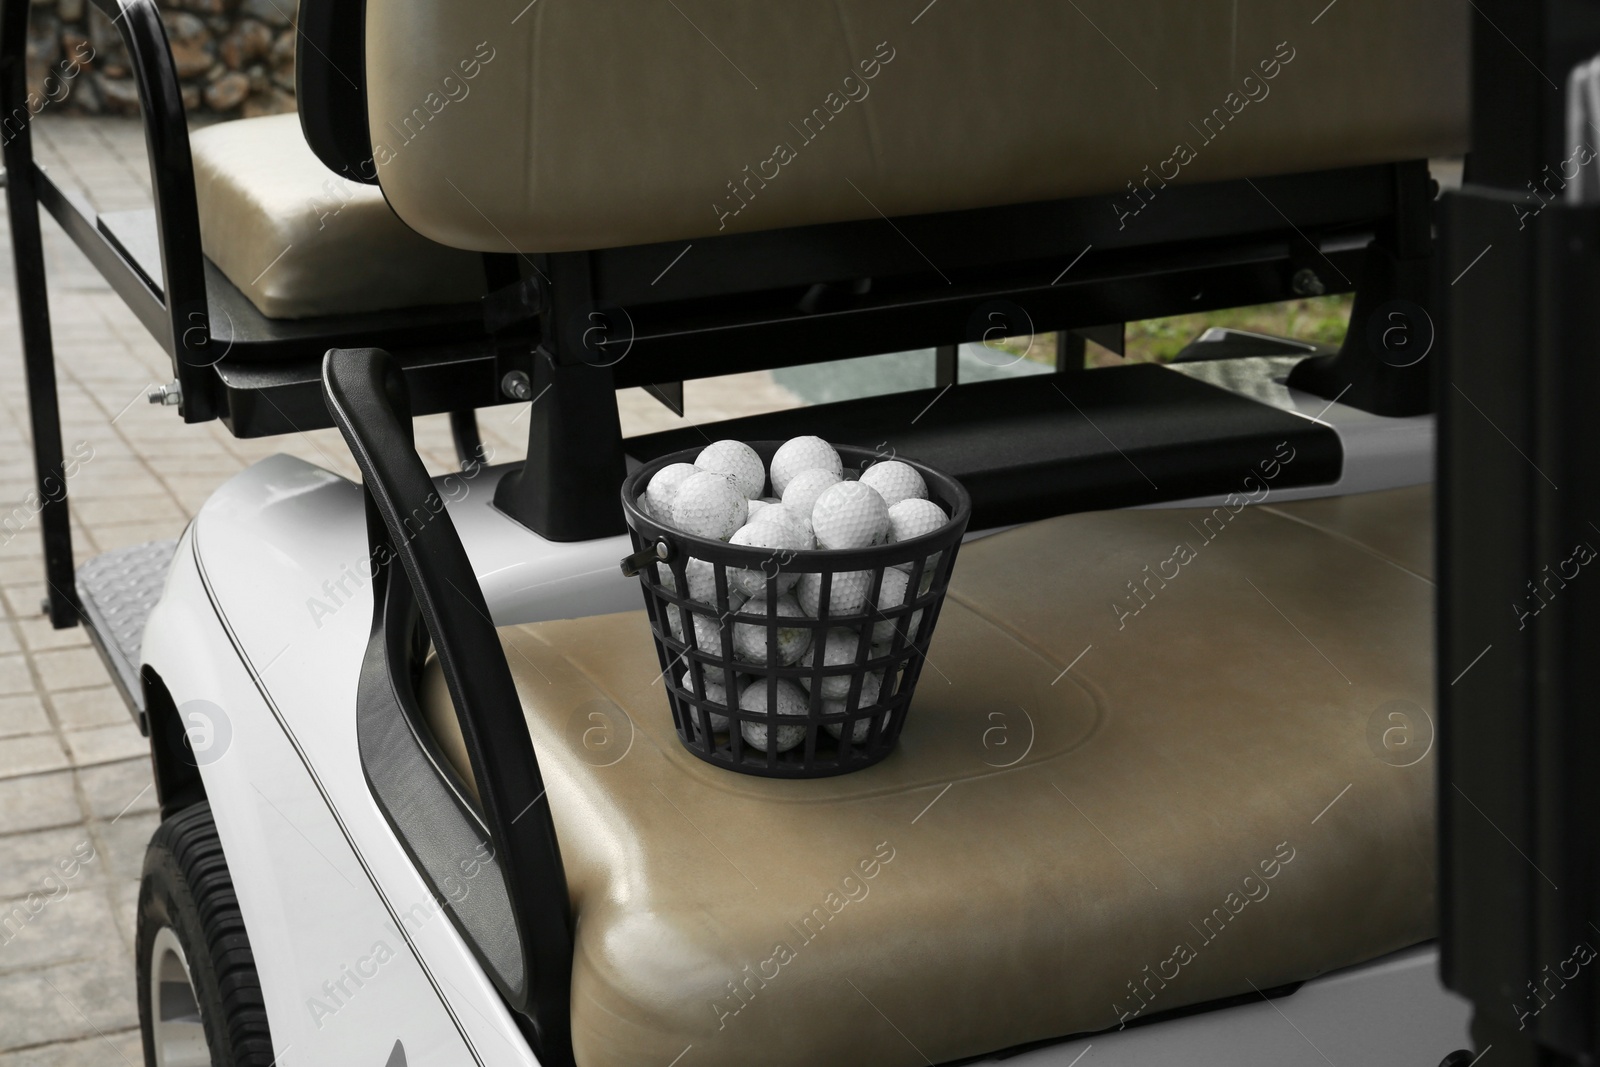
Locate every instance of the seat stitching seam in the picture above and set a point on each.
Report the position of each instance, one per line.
(1351, 541)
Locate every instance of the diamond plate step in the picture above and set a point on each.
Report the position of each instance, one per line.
(119, 590)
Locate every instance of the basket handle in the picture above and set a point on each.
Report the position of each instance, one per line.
(660, 551)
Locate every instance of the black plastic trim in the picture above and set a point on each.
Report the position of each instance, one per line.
(421, 800)
(330, 81)
(408, 524)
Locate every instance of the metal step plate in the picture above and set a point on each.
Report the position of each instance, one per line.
(119, 590)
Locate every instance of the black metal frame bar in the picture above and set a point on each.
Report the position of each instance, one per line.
(38, 356)
(239, 376)
(1196, 248)
(755, 301)
(759, 323)
(175, 311)
(225, 354)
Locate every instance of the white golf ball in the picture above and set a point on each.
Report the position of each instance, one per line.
(663, 490)
(802, 454)
(838, 650)
(891, 595)
(708, 638)
(913, 518)
(780, 541)
(805, 487)
(755, 507)
(707, 631)
(799, 522)
(701, 578)
(738, 461)
(750, 639)
(894, 481)
(715, 692)
(849, 515)
(707, 627)
(798, 532)
(846, 596)
(791, 700)
(871, 685)
(859, 734)
(714, 675)
(709, 505)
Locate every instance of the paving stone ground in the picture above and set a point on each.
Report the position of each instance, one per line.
(75, 789)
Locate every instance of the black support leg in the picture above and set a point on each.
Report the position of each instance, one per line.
(468, 442)
(569, 488)
(27, 248)
(1386, 363)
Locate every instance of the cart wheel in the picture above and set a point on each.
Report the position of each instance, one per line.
(199, 998)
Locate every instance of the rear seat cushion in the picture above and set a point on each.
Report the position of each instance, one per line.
(570, 126)
(1193, 809)
(300, 242)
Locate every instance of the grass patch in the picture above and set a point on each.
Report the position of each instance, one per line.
(1321, 319)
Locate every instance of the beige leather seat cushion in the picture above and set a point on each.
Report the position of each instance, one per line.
(300, 241)
(610, 122)
(1043, 847)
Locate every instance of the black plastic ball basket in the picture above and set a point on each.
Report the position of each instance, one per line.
(782, 695)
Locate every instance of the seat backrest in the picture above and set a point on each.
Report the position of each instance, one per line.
(555, 126)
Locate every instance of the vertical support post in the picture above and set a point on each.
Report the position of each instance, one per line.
(33, 312)
(1072, 346)
(1378, 367)
(1484, 559)
(468, 442)
(569, 487)
(1517, 623)
(1519, 608)
(1071, 351)
(946, 368)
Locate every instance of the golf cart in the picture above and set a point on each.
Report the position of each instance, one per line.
(1170, 789)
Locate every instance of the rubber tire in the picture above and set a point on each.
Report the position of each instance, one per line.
(186, 886)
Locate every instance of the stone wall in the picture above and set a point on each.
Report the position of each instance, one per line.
(233, 57)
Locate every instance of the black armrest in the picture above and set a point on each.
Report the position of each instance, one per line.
(366, 395)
